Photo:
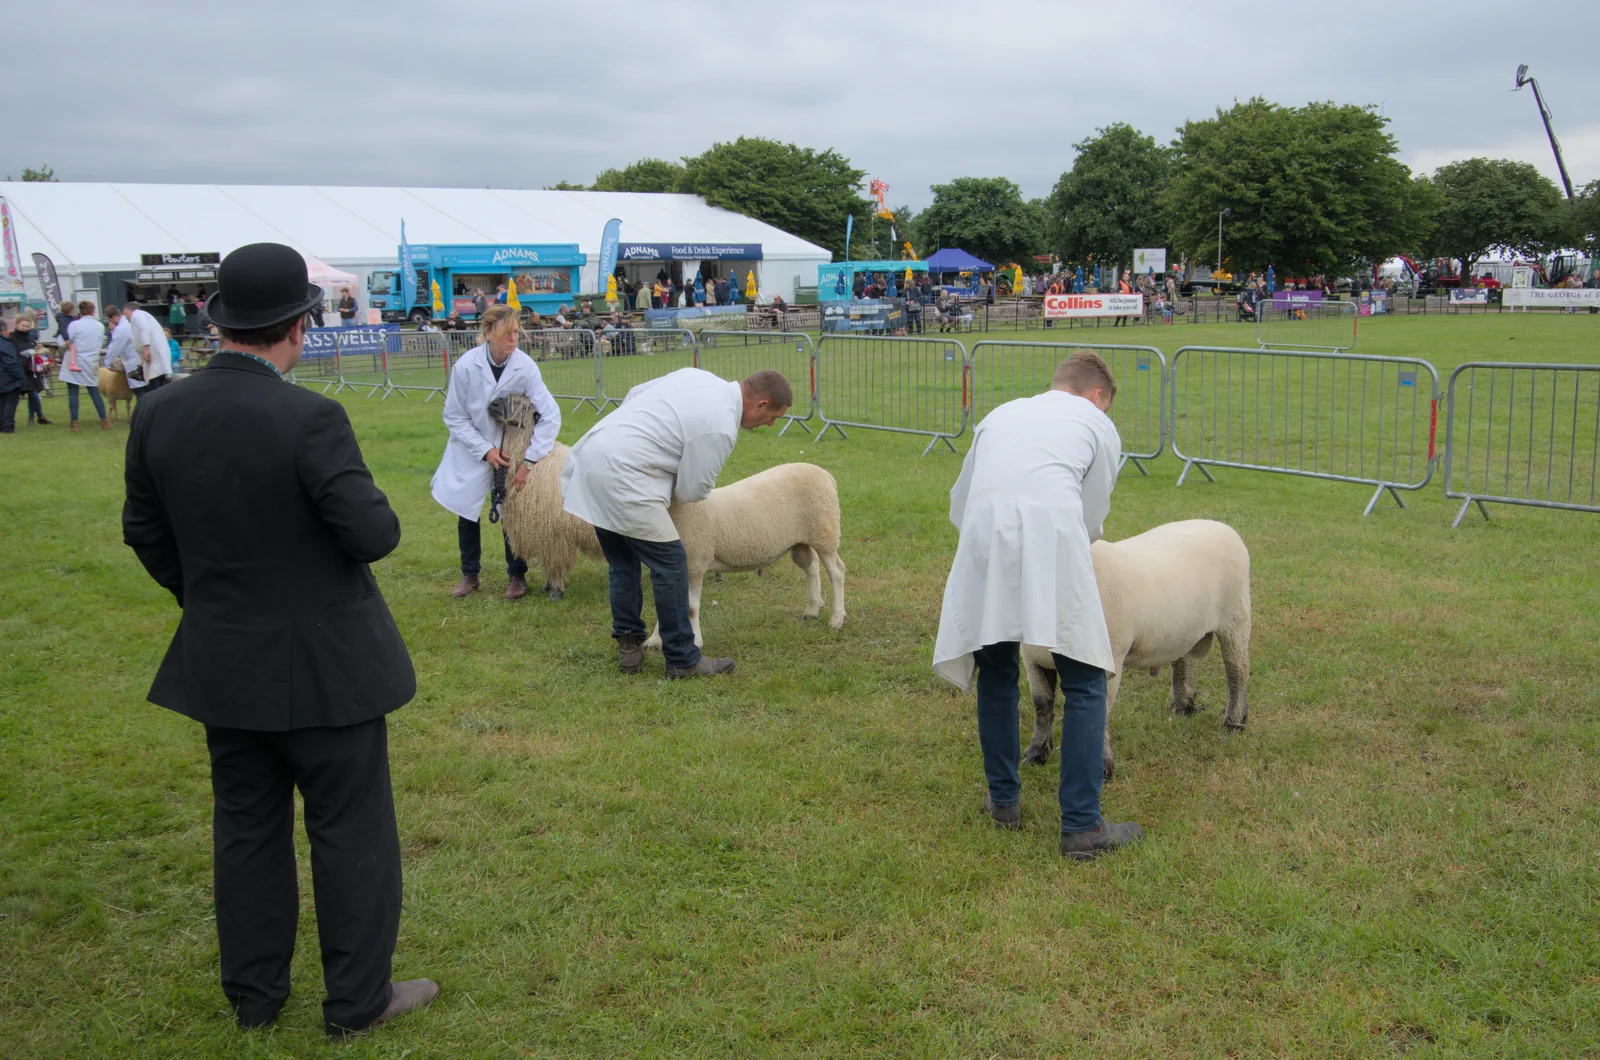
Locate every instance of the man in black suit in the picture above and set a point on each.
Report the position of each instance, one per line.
(249, 501)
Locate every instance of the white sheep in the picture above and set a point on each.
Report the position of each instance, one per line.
(1167, 593)
(750, 524)
(745, 526)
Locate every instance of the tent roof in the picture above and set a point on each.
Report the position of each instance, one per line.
(954, 259)
(109, 225)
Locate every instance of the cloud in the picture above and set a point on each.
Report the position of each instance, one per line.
(523, 95)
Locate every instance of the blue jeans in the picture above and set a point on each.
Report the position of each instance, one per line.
(72, 401)
(1083, 730)
(669, 577)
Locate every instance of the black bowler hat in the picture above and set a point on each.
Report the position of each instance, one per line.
(260, 285)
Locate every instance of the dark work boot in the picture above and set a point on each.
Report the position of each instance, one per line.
(516, 588)
(1085, 846)
(1007, 817)
(630, 654)
(468, 586)
(706, 667)
(406, 996)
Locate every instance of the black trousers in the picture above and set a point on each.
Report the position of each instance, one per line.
(343, 776)
(8, 411)
(469, 538)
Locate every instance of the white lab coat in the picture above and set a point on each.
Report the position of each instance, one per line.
(667, 441)
(1034, 491)
(147, 332)
(121, 354)
(87, 335)
(462, 482)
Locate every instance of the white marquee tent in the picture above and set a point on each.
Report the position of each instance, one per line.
(88, 229)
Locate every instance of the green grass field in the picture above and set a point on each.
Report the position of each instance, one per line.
(1398, 856)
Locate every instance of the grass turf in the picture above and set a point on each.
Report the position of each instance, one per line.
(1397, 857)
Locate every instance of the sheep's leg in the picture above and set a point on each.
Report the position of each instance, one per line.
(835, 567)
(805, 557)
(1183, 675)
(1235, 645)
(1042, 689)
(1107, 762)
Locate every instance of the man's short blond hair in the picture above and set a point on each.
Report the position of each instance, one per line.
(1084, 371)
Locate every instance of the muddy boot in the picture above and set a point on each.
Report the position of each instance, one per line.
(630, 654)
(706, 667)
(468, 586)
(516, 589)
(1007, 817)
(1083, 846)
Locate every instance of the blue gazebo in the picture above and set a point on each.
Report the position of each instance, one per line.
(954, 259)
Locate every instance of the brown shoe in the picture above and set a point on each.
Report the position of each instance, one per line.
(73, 426)
(706, 667)
(516, 589)
(630, 654)
(1008, 817)
(468, 586)
(404, 996)
(1085, 846)
(105, 424)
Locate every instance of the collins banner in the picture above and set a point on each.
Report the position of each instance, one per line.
(1061, 306)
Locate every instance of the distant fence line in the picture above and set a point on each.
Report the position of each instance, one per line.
(1515, 433)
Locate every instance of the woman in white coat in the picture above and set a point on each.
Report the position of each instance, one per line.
(80, 363)
(1034, 492)
(472, 454)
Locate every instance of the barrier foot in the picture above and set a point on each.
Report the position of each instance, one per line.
(590, 401)
(790, 423)
(834, 426)
(1469, 502)
(936, 440)
(1138, 463)
(1187, 464)
(395, 390)
(1373, 503)
(431, 395)
(374, 390)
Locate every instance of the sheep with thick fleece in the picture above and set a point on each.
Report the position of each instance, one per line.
(1167, 594)
(745, 526)
(541, 532)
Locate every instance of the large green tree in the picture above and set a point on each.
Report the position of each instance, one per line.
(1487, 205)
(1311, 189)
(647, 174)
(42, 175)
(986, 216)
(1585, 227)
(805, 192)
(1109, 202)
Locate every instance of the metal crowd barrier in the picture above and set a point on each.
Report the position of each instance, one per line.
(417, 360)
(569, 364)
(363, 361)
(319, 364)
(1519, 433)
(1004, 371)
(1310, 326)
(906, 385)
(630, 356)
(737, 354)
(1337, 416)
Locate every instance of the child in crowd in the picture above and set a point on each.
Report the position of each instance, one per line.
(172, 345)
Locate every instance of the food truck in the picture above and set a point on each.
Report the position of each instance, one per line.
(546, 275)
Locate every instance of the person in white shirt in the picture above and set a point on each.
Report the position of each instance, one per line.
(80, 363)
(150, 344)
(667, 442)
(1034, 491)
(120, 354)
(471, 455)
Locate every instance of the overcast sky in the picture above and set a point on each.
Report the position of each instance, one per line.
(523, 95)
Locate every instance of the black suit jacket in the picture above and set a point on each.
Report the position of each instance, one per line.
(249, 500)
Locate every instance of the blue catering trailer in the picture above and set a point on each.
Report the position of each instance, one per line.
(546, 275)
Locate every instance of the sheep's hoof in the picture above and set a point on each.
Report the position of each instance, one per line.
(1229, 725)
(1108, 768)
(1036, 756)
(836, 621)
(553, 593)
(1185, 707)
(807, 618)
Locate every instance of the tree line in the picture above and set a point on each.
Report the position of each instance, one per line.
(1315, 189)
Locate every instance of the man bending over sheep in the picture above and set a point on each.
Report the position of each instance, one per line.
(1034, 491)
(667, 441)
